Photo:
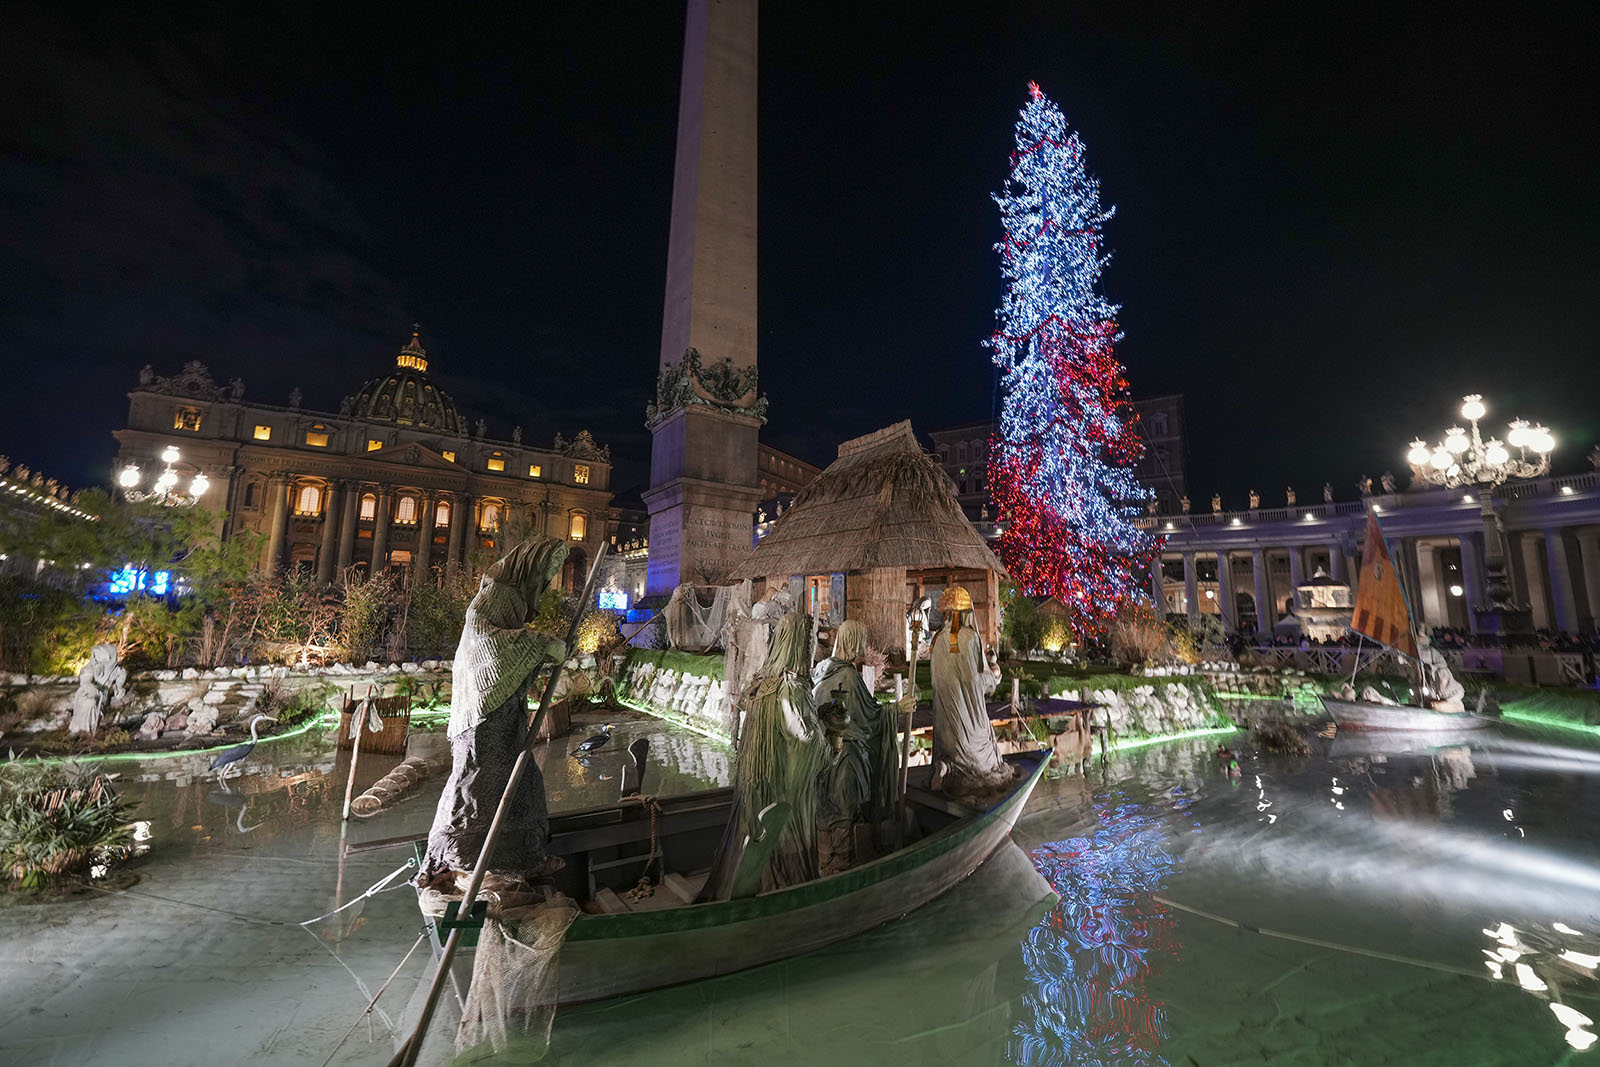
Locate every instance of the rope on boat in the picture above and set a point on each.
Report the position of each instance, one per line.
(367, 1011)
(373, 890)
(1317, 942)
(646, 888)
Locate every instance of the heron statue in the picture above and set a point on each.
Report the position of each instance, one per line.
(595, 743)
(233, 755)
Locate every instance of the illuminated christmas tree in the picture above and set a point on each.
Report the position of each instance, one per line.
(1062, 466)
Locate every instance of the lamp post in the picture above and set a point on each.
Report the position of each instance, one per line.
(163, 489)
(1464, 458)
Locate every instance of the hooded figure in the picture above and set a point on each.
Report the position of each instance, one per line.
(494, 664)
(859, 784)
(965, 756)
(1446, 692)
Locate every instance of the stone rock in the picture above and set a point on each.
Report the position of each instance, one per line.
(202, 720)
(430, 664)
(410, 668)
(152, 726)
(214, 697)
(372, 665)
(178, 720)
(190, 674)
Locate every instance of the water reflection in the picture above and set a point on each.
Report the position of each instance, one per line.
(1087, 963)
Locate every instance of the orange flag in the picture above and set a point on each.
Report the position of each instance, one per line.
(1380, 611)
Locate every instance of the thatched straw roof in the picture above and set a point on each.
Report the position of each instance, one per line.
(882, 503)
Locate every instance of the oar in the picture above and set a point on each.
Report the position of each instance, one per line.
(407, 1056)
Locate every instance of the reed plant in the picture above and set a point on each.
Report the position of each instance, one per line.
(58, 821)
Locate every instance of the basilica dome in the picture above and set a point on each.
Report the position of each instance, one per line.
(406, 397)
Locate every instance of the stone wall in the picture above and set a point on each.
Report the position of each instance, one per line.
(676, 685)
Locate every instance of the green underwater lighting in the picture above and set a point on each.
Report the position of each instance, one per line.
(1183, 735)
(325, 719)
(677, 720)
(1551, 721)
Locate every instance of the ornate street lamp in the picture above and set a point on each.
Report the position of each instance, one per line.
(1464, 458)
(163, 489)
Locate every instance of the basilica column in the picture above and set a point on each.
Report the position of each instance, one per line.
(380, 532)
(459, 514)
(1589, 563)
(278, 490)
(351, 491)
(1471, 579)
(1336, 569)
(1226, 606)
(420, 558)
(1297, 571)
(1555, 549)
(331, 514)
(1265, 613)
(1190, 592)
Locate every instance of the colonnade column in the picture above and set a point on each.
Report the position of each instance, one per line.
(1266, 615)
(1190, 608)
(422, 556)
(458, 528)
(278, 490)
(380, 532)
(1336, 569)
(1226, 605)
(1555, 550)
(330, 531)
(1471, 579)
(347, 524)
(1589, 550)
(1297, 571)
(1157, 591)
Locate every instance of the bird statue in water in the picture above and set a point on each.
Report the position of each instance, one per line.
(595, 743)
(227, 759)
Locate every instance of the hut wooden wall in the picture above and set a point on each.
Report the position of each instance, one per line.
(878, 597)
(983, 586)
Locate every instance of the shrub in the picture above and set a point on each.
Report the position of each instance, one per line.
(56, 822)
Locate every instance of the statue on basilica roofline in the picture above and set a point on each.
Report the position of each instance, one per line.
(1183, 502)
(1327, 492)
(295, 397)
(1364, 485)
(1216, 503)
(1255, 500)
(147, 374)
(1288, 493)
(1594, 457)
(347, 405)
(481, 429)
(516, 435)
(236, 389)
(1388, 482)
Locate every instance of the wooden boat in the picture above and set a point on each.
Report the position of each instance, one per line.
(617, 948)
(1366, 715)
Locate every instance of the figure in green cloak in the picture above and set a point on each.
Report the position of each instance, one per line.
(859, 784)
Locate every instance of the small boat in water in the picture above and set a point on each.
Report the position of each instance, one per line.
(621, 946)
(1369, 715)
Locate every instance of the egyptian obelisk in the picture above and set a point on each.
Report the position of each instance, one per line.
(703, 484)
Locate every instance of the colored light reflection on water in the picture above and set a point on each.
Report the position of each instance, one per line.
(1088, 962)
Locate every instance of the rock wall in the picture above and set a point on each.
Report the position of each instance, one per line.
(677, 686)
(1157, 707)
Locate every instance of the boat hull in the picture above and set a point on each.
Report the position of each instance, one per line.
(1364, 715)
(617, 955)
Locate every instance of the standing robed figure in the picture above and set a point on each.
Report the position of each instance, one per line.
(859, 783)
(965, 756)
(489, 723)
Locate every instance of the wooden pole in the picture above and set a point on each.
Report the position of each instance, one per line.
(905, 738)
(407, 1056)
(358, 719)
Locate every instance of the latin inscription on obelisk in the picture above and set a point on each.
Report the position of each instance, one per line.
(703, 482)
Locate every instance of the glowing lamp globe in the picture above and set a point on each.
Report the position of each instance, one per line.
(1455, 439)
(1519, 434)
(169, 454)
(1418, 456)
(1472, 407)
(1442, 460)
(168, 479)
(200, 484)
(1495, 452)
(129, 477)
(1541, 440)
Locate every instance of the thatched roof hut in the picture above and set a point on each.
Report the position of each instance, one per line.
(878, 527)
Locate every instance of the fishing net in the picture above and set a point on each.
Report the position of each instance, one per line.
(695, 616)
(512, 999)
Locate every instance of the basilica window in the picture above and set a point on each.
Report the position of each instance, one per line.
(369, 508)
(405, 512)
(441, 514)
(451, 456)
(186, 419)
(580, 474)
(317, 437)
(535, 471)
(497, 462)
(373, 444)
(961, 452)
(308, 502)
(252, 495)
(489, 521)
(263, 433)
(580, 526)
(1158, 425)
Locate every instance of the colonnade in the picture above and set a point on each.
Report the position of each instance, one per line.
(342, 525)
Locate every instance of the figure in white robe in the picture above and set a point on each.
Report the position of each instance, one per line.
(1445, 693)
(965, 756)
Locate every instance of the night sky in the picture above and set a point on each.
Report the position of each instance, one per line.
(1329, 225)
